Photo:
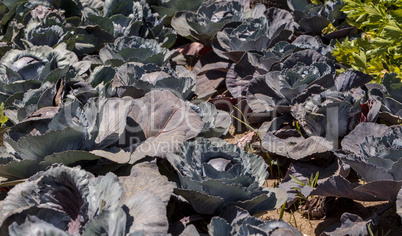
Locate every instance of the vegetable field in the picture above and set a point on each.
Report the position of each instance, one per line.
(201, 117)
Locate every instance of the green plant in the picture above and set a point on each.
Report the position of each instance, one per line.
(378, 50)
(3, 118)
(371, 233)
(282, 211)
(292, 214)
(312, 182)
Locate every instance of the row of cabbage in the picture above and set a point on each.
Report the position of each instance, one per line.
(93, 84)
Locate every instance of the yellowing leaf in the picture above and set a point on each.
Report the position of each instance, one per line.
(329, 29)
(3, 118)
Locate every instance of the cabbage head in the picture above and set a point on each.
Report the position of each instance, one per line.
(214, 174)
(202, 26)
(279, 89)
(71, 201)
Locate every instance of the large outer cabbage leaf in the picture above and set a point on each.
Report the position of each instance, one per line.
(144, 189)
(210, 71)
(166, 122)
(380, 190)
(289, 143)
(33, 147)
(351, 79)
